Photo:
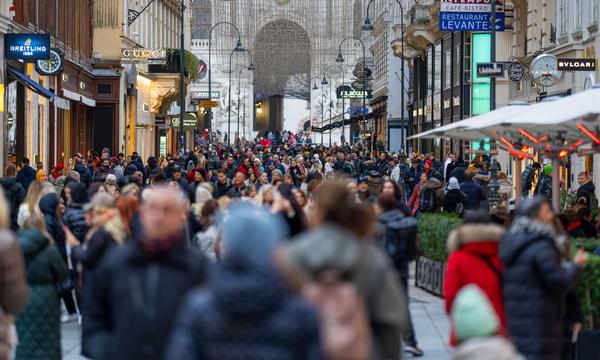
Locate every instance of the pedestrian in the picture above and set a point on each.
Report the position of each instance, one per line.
(478, 328)
(206, 239)
(261, 319)
(415, 197)
(473, 259)
(474, 194)
(137, 288)
(431, 196)
(15, 194)
(30, 205)
(338, 242)
(454, 200)
(38, 326)
(238, 186)
(13, 281)
(57, 177)
(586, 193)
(529, 176)
(74, 218)
(536, 280)
(397, 236)
(459, 171)
(26, 175)
(544, 185)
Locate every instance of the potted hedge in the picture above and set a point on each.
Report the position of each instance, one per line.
(433, 230)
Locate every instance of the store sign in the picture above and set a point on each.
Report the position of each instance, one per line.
(346, 92)
(470, 21)
(27, 46)
(147, 56)
(209, 104)
(490, 69)
(202, 70)
(577, 64)
(480, 94)
(470, 5)
(199, 95)
(189, 121)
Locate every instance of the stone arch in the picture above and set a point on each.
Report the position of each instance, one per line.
(283, 60)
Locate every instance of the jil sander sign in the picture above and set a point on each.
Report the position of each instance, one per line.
(151, 56)
(577, 64)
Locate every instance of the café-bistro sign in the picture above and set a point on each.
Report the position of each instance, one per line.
(149, 56)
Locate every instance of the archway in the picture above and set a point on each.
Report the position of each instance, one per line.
(283, 70)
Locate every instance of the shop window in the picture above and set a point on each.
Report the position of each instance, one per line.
(104, 89)
(437, 85)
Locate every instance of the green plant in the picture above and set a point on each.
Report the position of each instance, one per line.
(587, 244)
(433, 230)
(588, 292)
(191, 63)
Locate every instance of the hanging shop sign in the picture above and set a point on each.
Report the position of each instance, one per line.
(347, 92)
(147, 56)
(189, 121)
(209, 104)
(53, 66)
(577, 64)
(469, 21)
(516, 71)
(202, 70)
(544, 70)
(495, 69)
(470, 5)
(200, 95)
(27, 46)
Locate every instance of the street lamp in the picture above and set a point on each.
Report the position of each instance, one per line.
(238, 48)
(340, 59)
(324, 82)
(250, 67)
(367, 26)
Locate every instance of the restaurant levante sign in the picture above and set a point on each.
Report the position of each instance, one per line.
(577, 64)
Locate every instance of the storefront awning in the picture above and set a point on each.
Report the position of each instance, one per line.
(32, 85)
(78, 97)
(39, 89)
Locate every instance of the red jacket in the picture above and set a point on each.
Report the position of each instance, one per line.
(469, 245)
(413, 202)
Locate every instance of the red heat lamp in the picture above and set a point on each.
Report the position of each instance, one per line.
(589, 134)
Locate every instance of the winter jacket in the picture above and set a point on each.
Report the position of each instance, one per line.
(413, 173)
(133, 298)
(26, 176)
(528, 177)
(586, 192)
(452, 199)
(58, 182)
(48, 206)
(474, 194)
(15, 194)
(221, 189)
(38, 326)
(396, 235)
(544, 187)
(535, 284)
(74, 219)
(414, 201)
(431, 196)
(458, 172)
(206, 240)
(368, 268)
(85, 175)
(13, 287)
(248, 314)
(474, 260)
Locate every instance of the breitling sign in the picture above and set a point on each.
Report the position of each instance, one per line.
(150, 56)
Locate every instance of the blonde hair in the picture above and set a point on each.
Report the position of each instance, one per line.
(4, 211)
(36, 191)
(260, 197)
(36, 221)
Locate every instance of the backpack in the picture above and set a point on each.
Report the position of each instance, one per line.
(400, 241)
(345, 328)
(427, 200)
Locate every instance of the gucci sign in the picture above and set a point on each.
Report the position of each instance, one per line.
(151, 56)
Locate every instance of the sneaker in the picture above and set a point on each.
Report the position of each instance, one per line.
(413, 350)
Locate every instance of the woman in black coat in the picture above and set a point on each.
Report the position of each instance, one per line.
(74, 217)
(536, 281)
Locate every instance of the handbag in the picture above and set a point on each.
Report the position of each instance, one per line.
(63, 287)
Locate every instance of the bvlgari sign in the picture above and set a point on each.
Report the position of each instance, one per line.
(148, 56)
(577, 64)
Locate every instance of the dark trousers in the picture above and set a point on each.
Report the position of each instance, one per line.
(408, 337)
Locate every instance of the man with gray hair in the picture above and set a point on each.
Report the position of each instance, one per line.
(137, 290)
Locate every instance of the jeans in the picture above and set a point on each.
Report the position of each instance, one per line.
(409, 337)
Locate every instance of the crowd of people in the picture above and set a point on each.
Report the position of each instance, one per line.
(276, 249)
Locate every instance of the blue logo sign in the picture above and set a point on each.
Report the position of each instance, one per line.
(357, 110)
(27, 46)
(464, 21)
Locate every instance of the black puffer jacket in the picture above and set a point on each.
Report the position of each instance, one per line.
(74, 217)
(535, 285)
(48, 205)
(248, 315)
